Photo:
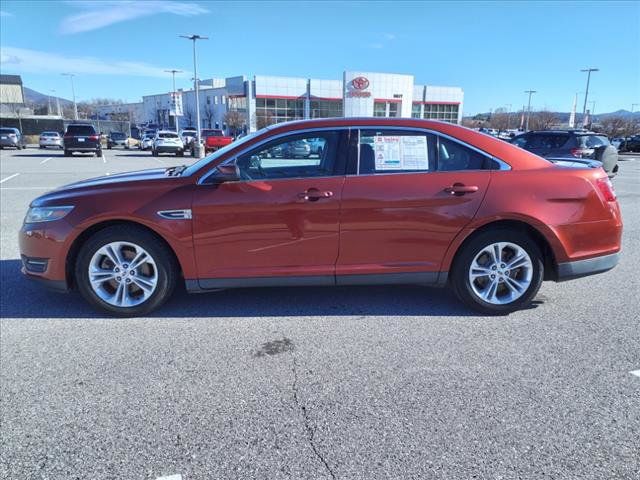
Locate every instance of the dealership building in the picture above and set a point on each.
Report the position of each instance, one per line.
(264, 100)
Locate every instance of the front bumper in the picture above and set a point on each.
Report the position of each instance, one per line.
(589, 266)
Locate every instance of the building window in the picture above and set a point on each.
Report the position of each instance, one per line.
(442, 112)
(326, 108)
(380, 109)
(276, 110)
(208, 100)
(415, 110)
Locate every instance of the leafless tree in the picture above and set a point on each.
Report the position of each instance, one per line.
(208, 114)
(542, 120)
(235, 121)
(189, 116)
(614, 126)
(500, 119)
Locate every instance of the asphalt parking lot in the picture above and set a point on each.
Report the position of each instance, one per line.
(300, 383)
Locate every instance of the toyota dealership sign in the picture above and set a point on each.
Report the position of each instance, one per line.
(358, 87)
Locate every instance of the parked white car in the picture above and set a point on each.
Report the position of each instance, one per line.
(167, 142)
(51, 139)
(146, 142)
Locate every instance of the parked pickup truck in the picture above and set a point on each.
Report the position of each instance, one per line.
(213, 139)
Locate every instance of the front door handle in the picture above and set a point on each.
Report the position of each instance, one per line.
(459, 189)
(313, 195)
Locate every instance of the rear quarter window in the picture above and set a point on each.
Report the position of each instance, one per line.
(592, 141)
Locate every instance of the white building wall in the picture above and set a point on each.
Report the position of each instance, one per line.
(382, 86)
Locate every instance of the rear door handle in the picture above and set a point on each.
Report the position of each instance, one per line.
(313, 195)
(459, 189)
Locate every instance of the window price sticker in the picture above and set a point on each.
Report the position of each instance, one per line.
(401, 152)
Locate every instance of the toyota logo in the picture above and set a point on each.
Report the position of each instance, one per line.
(360, 83)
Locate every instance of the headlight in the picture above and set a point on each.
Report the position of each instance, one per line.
(46, 214)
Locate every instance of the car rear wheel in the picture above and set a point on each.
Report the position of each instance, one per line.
(125, 271)
(498, 272)
(67, 153)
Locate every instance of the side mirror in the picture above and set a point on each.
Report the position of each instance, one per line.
(226, 173)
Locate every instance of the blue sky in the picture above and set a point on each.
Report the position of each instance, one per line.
(493, 50)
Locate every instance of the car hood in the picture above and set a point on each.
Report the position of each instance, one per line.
(96, 184)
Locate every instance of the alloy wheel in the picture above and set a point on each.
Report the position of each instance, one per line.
(123, 274)
(501, 273)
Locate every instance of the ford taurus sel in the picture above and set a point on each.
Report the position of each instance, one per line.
(381, 201)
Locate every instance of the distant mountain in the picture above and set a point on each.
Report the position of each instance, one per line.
(564, 116)
(37, 98)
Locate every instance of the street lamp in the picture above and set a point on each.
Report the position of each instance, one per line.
(175, 116)
(586, 93)
(73, 92)
(530, 92)
(194, 38)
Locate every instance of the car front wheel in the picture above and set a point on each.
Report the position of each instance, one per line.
(125, 270)
(498, 272)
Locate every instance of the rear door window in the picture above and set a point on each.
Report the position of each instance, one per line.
(453, 156)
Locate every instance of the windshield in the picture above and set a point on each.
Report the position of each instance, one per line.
(218, 153)
(117, 135)
(168, 135)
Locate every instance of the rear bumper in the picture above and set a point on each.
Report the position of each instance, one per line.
(589, 266)
(169, 149)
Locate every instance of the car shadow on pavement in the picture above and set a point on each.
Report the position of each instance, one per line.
(42, 153)
(22, 298)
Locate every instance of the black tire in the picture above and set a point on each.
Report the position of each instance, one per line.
(154, 153)
(459, 278)
(67, 153)
(180, 154)
(163, 257)
(108, 147)
(98, 153)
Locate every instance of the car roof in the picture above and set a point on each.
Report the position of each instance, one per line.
(167, 131)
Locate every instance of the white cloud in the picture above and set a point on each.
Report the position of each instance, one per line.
(4, 13)
(389, 36)
(34, 61)
(376, 45)
(100, 14)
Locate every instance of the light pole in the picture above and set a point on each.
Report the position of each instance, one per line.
(593, 107)
(194, 38)
(73, 93)
(586, 93)
(175, 103)
(530, 92)
(57, 103)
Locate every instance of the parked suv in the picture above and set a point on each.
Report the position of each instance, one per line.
(11, 137)
(391, 200)
(570, 145)
(167, 142)
(81, 137)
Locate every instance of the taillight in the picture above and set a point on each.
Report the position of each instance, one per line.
(94, 137)
(576, 152)
(606, 189)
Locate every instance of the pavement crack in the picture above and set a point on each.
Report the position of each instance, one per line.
(305, 416)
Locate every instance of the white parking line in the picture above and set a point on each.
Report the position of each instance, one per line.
(104, 160)
(635, 372)
(45, 160)
(171, 477)
(9, 177)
